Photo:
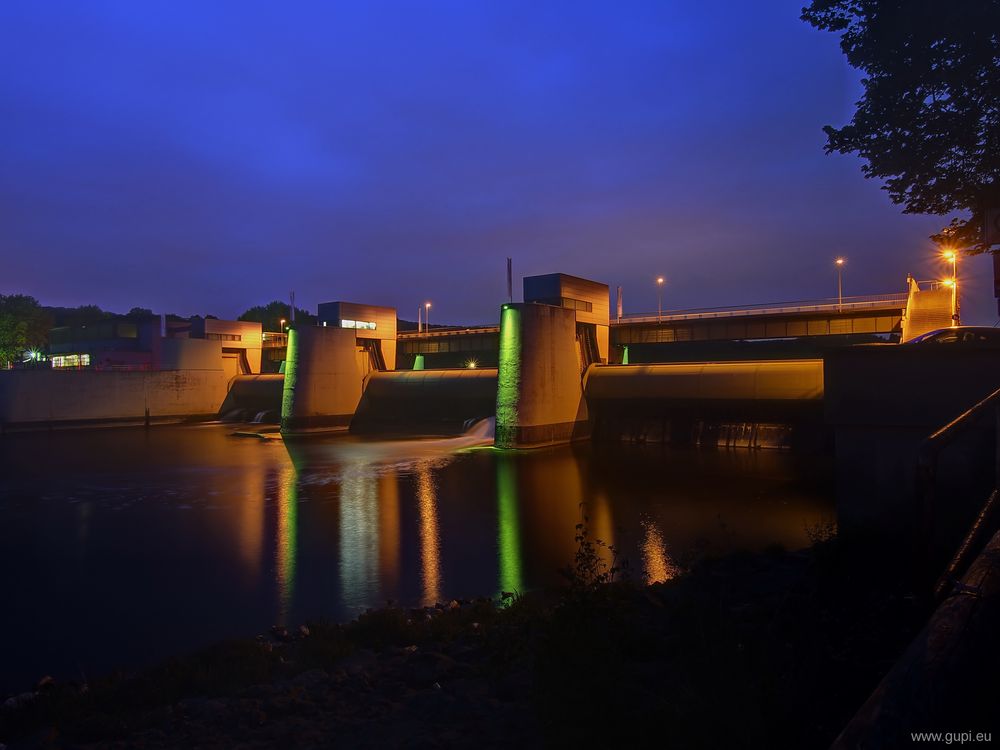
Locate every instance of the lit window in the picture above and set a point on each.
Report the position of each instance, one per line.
(367, 325)
(71, 360)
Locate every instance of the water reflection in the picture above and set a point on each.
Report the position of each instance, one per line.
(358, 529)
(656, 563)
(285, 554)
(140, 529)
(508, 529)
(430, 541)
(600, 524)
(389, 532)
(250, 521)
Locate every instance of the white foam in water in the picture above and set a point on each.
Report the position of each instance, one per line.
(404, 454)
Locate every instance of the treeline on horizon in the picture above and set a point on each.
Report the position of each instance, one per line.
(25, 322)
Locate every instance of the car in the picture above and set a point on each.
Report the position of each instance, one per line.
(978, 336)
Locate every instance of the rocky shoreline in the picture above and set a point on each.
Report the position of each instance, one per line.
(778, 647)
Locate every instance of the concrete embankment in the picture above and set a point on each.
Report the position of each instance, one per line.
(36, 398)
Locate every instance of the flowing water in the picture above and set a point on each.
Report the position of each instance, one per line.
(119, 547)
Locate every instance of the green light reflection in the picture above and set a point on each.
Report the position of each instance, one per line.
(508, 527)
(285, 557)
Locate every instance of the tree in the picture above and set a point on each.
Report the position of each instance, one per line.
(271, 315)
(24, 324)
(928, 123)
(140, 312)
(13, 339)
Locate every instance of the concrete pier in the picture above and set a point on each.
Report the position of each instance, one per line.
(539, 389)
(324, 372)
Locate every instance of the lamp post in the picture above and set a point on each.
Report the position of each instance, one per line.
(281, 326)
(839, 262)
(952, 257)
(427, 316)
(659, 299)
(420, 313)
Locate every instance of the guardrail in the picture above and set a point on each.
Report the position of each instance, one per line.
(926, 486)
(449, 331)
(847, 304)
(273, 340)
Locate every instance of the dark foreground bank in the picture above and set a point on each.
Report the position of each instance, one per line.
(771, 650)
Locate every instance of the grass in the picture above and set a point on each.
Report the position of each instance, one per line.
(773, 649)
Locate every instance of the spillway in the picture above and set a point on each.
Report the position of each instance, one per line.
(693, 401)
(425, 401)
(723, 382)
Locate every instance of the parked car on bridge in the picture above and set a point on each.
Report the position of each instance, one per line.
(978, 336)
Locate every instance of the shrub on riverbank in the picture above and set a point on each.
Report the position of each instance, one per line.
(773, 648)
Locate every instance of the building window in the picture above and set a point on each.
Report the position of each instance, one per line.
(224, 336)
(366, 325)
(71, 360)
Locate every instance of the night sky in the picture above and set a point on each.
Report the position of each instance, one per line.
(206, 157)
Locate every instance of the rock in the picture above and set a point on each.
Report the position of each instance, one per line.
(427, 668)
(470, 687)
(310, 678)
(358, 662)
(201, 708)
(280, 633)
(17, 701)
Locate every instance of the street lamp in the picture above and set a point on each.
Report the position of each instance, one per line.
(659, 299)
(951, 256)
(427, 316)
(840, 282)
(281, 326)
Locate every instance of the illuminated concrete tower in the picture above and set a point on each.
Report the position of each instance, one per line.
(546, 344)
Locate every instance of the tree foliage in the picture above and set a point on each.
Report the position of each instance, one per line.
(271, 315)
(928, 124)
(24, 324)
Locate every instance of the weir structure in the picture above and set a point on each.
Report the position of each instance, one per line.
(557, 368)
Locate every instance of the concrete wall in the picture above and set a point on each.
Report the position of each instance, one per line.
(248, 337)
(882, 402)
(539, 392)
(190, 354)
(323, 381)
(50, 396)
(384, 318)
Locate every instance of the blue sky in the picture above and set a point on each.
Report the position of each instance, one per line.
(206, 157)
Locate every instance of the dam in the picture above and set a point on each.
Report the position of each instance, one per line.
(558, 368)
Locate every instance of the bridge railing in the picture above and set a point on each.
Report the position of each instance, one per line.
(274, 340)
(448, 331)
(867, 302)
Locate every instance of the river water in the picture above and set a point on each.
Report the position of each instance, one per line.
(119, 547)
